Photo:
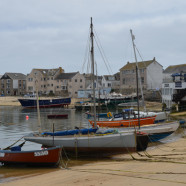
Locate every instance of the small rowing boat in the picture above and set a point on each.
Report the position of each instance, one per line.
(57, 116)
(44, 157)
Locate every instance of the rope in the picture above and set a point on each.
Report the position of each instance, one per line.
(13, 144)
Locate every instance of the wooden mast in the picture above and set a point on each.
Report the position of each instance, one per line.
(93, 76)
(38, 110)
(132, 36)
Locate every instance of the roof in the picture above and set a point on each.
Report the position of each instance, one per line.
(141, 64)
(50, 72)
(66, 75)
(15, 76)
(109, 77)
(175, 69)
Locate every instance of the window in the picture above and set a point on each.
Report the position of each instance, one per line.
(30, 88)
(142, 80)
(80, 80)
(81, 86)
(123, 80)
(51, 85)
(75, 80)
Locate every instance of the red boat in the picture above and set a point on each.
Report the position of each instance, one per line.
(57, 116)
(45, 157)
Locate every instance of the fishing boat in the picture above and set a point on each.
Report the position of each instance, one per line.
(57, 116)
(110, 142)
(131, 122)
(131, 113)
(30, 101)
(44, 157)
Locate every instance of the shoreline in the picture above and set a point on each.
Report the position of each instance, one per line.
(164, 164)
(151, 106)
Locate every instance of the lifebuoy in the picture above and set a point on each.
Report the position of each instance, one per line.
(109, 114)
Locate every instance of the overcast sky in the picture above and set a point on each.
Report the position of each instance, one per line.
(53, 33)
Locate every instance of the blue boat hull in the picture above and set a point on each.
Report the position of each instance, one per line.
(31, 103)
(158, 136)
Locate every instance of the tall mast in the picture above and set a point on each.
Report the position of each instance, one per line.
(38, 110)
(93, 77)
(134, 47)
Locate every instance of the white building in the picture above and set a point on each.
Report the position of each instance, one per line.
(174, 86)
(150, 73)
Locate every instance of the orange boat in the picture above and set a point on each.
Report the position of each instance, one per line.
(125, 123)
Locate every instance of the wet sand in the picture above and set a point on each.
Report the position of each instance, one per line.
(164, 164)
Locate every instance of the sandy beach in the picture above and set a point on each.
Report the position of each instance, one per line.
(162, 165)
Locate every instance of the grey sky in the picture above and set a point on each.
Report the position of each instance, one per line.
(53, 33)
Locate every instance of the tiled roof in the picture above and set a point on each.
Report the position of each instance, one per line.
(141, 64)
(50, 72)
(175, 69)
(66, 75)
(16, 76)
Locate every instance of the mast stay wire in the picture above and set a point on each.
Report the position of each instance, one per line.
(87, 56)
(98, 43)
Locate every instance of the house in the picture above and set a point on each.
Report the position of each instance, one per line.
(43, 80)
(150, 73)
(69, 84)
(111, 81)
(174, 87)
(13, 84)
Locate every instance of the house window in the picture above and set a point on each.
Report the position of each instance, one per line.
(52, 78)
(75, 80)
(51, 85)
(81, 86)
(123, 80)
(80, 80)
(109, 84)
(30, 88)
(57, 86)
(142, 80)
(8, 80)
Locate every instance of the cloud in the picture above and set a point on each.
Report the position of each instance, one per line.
(49, 34)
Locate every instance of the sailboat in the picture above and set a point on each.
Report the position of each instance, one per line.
(109, 142)
(129, 119)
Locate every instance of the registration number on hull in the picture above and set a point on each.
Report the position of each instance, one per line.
(41, 153)
(2, 154)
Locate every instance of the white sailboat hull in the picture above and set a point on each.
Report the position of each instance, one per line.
(105, 143)
(154, 128)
